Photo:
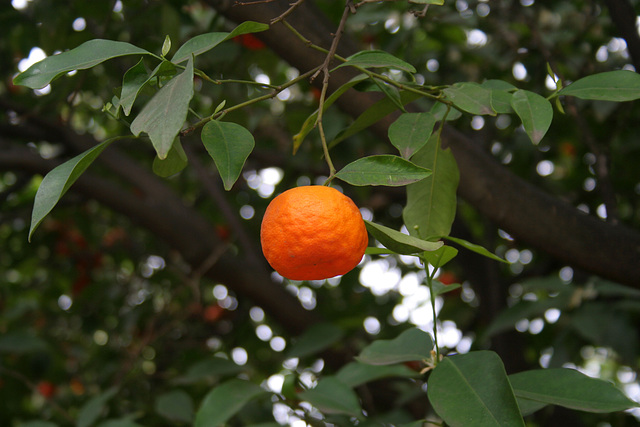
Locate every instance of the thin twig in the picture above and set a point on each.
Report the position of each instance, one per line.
(287, 12)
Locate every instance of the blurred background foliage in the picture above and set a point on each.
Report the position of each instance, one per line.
(101, 319)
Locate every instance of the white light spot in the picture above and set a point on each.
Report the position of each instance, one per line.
(526, 256)
(483, 10)
(20, 4)
(551, 82)
(256, 314)
(601, 211)
(566, 274)
(247, 212)
(79, 24)
(35, 55)
(263, 79)
(536, 326)
(264, 332)
(284, 95)
(476, 38)
(379, 276)
(220, 292)
(589, 184)
(372, 325)
(100, 337)
(552, 315)
(239, 356)
(477, 122)
(519, 71)
(433, 65)
(527, 3)
(512, 255)
(602, 54)
(275, 383)
(464, 345)
(65, 302)
(277, 343)
(545, 168)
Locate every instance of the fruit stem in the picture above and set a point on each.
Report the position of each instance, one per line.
(432, 297)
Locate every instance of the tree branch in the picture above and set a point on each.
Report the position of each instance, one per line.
(524, 211)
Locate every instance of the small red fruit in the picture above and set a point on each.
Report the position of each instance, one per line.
(447, 278)
(46, 389)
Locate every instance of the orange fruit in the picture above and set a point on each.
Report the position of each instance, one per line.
(313, 233)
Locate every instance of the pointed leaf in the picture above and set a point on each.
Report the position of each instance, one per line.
(398, 242)
(410, 132)
(377, 59)
(475, 248)
(412, 344)
(164, 115)
(620, 85)
(132, 82)
(392, 93)
(571, 389)
(56, 183)
(382, 170)
(473, 390)
(440, 288)
(175, 161)
(87, 55)
(355, 374)
(470, 97)
(332, 396)
(166, 46)
(535, 111)
(315, 339)
(224, 401)
(229, 144)
(91, 411)
(431, 203)
(205, 42)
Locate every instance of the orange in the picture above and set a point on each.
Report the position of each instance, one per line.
(313, 233)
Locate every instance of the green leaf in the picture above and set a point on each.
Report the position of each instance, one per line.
(528, 406)
(205, 42)
(56, 183)
(175, 161)
(355, 374)
(399, 242)
(412, 344)
(475, 248)
(310, 122)
(373, 114)
(619, 86)
(391, 92)
(431, 203)
(224, 401)
(377, 59)
(571, 389)
(229, 144)
(535, 111)
(19, 342)
(440, 288)
(315, 339)
(332, 396)
(382, 170)
(87, 55)
(136, 78)
(133, 81)
(473, 390)
(166, 46)
(470, 97)
(175, 405)
(410, 132)
(92, 410)
(441, 256)
(164, 115)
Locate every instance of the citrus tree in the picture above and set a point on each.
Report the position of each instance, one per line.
(490, 148)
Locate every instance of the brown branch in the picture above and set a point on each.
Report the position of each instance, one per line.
(526, 212)
(623, 16)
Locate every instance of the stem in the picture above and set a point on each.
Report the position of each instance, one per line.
(433, 311)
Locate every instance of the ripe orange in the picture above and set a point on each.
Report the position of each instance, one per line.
(313, 233)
